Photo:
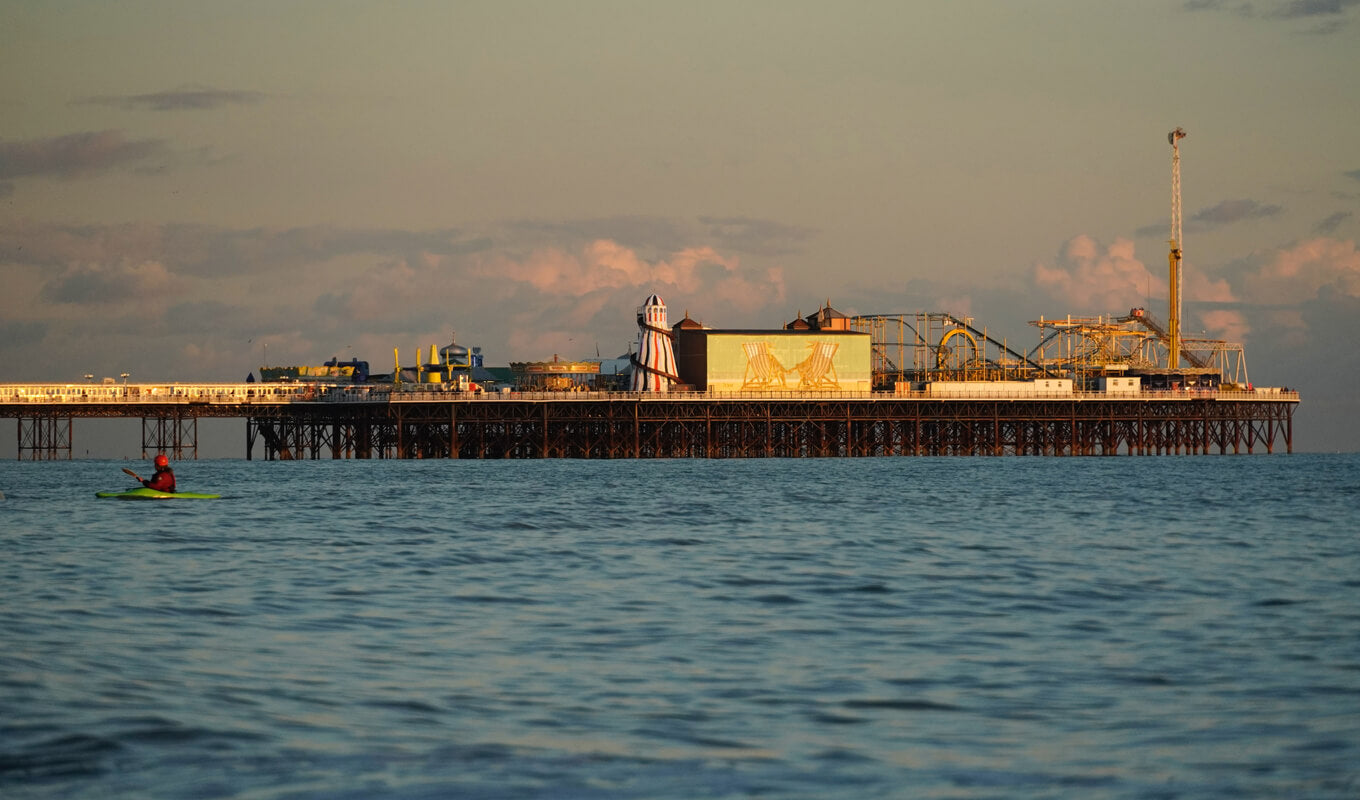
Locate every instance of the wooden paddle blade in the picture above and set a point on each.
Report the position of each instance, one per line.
(133, 474)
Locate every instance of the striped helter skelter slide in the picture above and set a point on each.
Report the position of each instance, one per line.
(654, 362)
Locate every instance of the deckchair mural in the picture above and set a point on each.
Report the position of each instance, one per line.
(762, 368)
(817, 370)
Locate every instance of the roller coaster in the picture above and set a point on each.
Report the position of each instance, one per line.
(939, 346)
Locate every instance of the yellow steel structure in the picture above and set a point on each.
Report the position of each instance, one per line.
(954, 356)
(938, 346)
(1089, 347)
(1175, 256)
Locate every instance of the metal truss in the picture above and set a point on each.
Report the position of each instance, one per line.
(173, 433)
(709, 428)
(44, 437)
(630, 425)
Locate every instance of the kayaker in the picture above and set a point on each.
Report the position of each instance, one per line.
(164, 479)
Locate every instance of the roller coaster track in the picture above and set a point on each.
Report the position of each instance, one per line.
(955, 325)
(1001, 347)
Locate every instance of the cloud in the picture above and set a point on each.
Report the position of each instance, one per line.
(1230, 211)
(396, 258)
(655, 236)
(100, 284)
(1199, 287)
(1226, 324)
(191, 297)
(759, 236)
(602, 264)
(1260, 293)
(1208, 5)
(1329, 13)
(642, 232)
(552, 299)
(1093, 279)
(1225, 213)
(605, 264)
(207, 250)
(1299, 273)
(75, 155)
(1353, 174)
(1331, 223)
(225, 320)
(22, 333)
(1089, 279)
(1302, 9)
(187, 98)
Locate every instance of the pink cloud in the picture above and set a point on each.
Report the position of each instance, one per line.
(1091, 278)
(554, 299)
(1296, 274)
(1198, 287)
(1225, 324)
(605, 264)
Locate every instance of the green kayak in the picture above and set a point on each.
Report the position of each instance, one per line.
(143, 493)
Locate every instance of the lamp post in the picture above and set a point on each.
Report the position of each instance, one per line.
(124, 376)
(89, 377)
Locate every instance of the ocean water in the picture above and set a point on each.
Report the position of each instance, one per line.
(1176, 627)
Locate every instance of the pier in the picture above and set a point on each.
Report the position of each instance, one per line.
(314, 421)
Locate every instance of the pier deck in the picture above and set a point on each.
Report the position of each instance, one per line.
(307, 421)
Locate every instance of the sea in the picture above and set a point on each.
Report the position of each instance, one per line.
(1014, 627)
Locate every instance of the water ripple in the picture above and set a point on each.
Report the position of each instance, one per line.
(796, 629)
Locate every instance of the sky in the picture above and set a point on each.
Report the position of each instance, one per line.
(190, 189)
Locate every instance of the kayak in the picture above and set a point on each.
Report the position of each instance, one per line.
(143, 493)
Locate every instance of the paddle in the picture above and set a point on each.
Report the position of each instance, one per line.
(133, 474)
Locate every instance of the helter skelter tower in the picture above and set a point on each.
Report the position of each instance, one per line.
(654, 362)
(1173, 328)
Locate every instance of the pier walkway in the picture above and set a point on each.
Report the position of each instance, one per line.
(431, 421)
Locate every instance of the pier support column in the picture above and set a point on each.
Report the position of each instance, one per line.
(45, 438)
(172, 434)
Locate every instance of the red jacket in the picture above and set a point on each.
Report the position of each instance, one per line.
(162, 481)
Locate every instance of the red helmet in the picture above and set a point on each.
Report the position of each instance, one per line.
(162, 461)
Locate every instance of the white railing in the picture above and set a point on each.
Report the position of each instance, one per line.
(287, 393)
(159, 394)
